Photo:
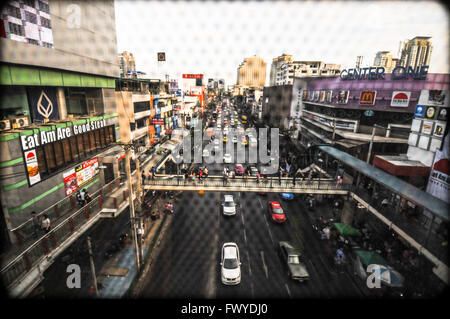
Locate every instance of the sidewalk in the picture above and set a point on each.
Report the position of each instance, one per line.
(118, 274)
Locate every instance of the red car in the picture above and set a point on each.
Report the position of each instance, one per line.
(276, 212)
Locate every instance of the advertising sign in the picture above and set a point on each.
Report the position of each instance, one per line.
(322, 96)
(439, 129)
(439, 181)
(427, 127)
(161, 56)
(70, 182)
(430, 112)
(86, 171)
(316, 96)
(32, 167)
(329, 96)
(192, 76)
(442, 116)
(305, 95)
(311, 96)
(420, 111)
(367, 97)
(43, 103)
(400, 98)
(436, 97)
(343, 97)
(158, 121)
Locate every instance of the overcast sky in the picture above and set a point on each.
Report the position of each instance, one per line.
(214, 37)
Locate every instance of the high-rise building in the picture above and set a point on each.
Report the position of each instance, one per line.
(275, 67)
(416, 52)
(252, 72)
(127, 65)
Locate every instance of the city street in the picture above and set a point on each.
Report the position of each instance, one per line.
(188, 261)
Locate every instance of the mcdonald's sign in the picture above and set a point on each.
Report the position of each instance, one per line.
(367, 97)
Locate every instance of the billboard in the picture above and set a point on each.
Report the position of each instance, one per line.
(31, 164)
(43, 103)
(70, 182)
(442, 116)
(420, 111)
(343, 97)
(329, 96)
(86, 171)
(439, 181)
(430, 112)
(322, 96)
(400, 99)
(367, 97)
(192, 76)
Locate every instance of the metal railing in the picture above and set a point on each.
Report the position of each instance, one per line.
(242, 182)
(56, 211)
(26, 260)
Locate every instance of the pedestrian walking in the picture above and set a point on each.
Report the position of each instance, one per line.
(143, 177)
(258, 176)
(45, 224)
(35, 220)
(206, 171)
(279, 175)
(80, 198)
(87, 197)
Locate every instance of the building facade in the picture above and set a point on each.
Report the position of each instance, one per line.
(252, 72)
(352, 113)
(275, 67)
(58, 106)
(384, 59)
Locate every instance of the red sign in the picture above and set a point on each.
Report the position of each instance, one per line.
(70, 182)
(192, 76)
(158, 121)
(367, 97)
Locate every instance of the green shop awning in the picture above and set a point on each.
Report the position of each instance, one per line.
(370, 258)
(346, 230)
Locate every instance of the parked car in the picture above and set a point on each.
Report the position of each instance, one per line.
(293, 259)
(230, 264)
(253, 171)
(229, 207)
(239, 169)
(276, 212)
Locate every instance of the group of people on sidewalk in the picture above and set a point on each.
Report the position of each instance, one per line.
(151, 175)
(196, 173)
(83, 197)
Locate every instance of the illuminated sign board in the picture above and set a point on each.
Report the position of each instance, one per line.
(400, 98)
(375, 73)
(367, 97)
(192, 76)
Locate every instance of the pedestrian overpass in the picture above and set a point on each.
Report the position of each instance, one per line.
(324, 186)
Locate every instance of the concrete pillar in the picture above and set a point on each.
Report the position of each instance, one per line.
(61, 99)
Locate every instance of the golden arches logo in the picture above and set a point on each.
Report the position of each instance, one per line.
(367, 97)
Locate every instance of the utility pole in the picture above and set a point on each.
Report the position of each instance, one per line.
(91, 258)
(131, 205)
(371, 144)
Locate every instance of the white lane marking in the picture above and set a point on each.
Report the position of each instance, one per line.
(242, 217)
(264, 264)
(259, 200)
(287, 288)
(268, 228)
(245, 237)
(249, 267)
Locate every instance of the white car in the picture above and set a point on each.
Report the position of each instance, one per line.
(230, 264)
(227, 158)
(229, 207)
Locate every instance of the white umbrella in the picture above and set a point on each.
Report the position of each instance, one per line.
(390, 277)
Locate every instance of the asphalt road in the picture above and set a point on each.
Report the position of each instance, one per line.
(188, 262)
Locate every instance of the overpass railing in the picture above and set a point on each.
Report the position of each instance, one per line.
(246, 182)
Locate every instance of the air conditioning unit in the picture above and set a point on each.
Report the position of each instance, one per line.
(5, 125)
(20, 121)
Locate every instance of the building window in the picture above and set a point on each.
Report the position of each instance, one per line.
(32, 41)
(30, 17)
(16, 29)
(29, 3)
(14, 12)
(43, 7)
(45, 22)
(47, 45)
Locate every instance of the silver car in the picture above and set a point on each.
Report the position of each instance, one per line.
(229, 207)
